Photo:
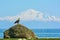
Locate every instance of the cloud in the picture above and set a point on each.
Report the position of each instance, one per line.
(1, 18)
(31, 14)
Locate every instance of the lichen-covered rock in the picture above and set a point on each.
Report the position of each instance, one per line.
(19, 31)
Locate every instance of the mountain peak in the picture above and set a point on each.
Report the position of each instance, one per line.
(32, 11)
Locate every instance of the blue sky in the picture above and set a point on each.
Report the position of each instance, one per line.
(49, 9)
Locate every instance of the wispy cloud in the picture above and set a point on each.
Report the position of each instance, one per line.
(31, 14)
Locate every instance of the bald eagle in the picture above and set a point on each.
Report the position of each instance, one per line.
(17, 21)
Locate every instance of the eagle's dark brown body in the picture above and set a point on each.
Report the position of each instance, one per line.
(17, 21)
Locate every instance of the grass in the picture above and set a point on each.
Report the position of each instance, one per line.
(49, 39)
(32, 39)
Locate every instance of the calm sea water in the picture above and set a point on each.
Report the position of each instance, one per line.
(49, 33)
(41, 33)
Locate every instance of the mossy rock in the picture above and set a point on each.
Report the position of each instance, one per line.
(19, 31)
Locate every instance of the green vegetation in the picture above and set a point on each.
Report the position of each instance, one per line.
(32, 39)
(19, 31)
(49, 39)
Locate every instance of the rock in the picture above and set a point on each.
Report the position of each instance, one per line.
(19, 31)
